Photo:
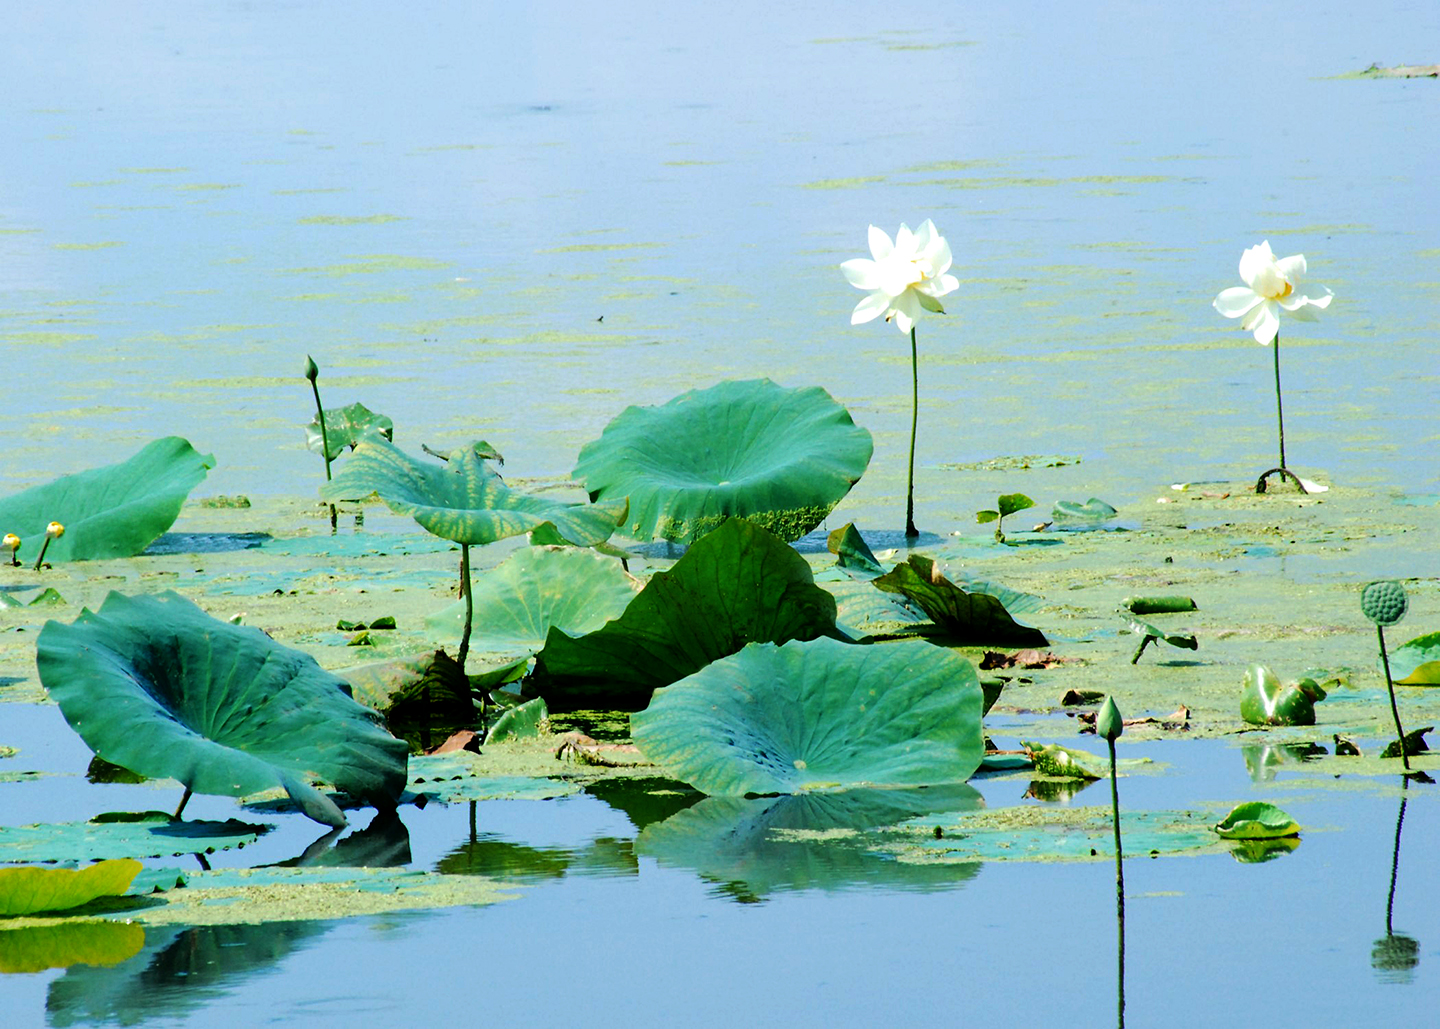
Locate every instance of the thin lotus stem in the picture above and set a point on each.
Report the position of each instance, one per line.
(324, 441)
(1119, 886)
(1390, 685)
(1279, 409)
(1141, 649)
(910, 530)
(469, 603)
(1395, 859)
(183, 801)
(40, 558)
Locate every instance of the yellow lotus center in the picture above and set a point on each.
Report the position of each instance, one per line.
(1285, 290)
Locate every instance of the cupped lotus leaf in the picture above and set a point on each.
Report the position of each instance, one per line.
(536, 588)
(1064, 762)
(141, 835)
(964, 616)
(115, 511)
(817, 714)
(755, 846)
(464, 499)
(25, 891)
(1257, 820)
(738, 585)
(852, 552)
(34, 948)
(1417, 663)
(1264, 701)
(345, 427)
(781, 458)
(154, 684)
(1157, 605)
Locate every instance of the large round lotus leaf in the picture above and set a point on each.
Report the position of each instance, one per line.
(780, 457)
(464, 499)
(818, 714)
(24, 891)
(115, 511)
(155, 685)
(516, 604)
(738, 585)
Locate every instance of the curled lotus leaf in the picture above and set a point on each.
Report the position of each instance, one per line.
(1417, 663)
(1257, 820)
(964, 616)
(115, 511)
(1264, 701)
(464, 499)
(818, 714)
(345, 427)
(25, 891)
(155, 685)
(781, 458)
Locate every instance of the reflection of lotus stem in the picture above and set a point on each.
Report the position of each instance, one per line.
(1395, 860)
(1279, 411)
(910, 530)
(1390, 685)
(1119, 884)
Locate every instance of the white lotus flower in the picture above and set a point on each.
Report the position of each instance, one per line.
(905, 277)
(1271, 283)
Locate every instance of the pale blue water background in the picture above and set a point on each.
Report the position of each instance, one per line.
(688, 173)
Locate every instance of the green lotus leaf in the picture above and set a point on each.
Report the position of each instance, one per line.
(115, 511)
(738, 585)
(1064, 762)
(1093, 510)
(1417, 663)
(154, 684)
(464, 499)
(142, 835)
(519, 722)
(815, 714)
(35, 948)
(812, 841)
(24, 891)
(345, 427)
(781, 458)
(1257, 820)
(462, 776)
(1414, 743)
(1264, 701)
(1009, 503)
(852, 552)
(535, 589)
(964, 616)
(1149, 632)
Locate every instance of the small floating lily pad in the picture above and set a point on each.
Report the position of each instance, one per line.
(149, 834)
(460, 776)
(1257, 820)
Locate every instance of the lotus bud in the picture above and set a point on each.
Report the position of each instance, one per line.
(12, 543)
(312, 370)
(1109, 725)
(53, 531)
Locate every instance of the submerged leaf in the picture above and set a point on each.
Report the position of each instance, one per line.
(157, 686)
(783, 719)
(1256, 820)
(115, 511)
(738, 585)
(464, 500)
(345, 427)
(781, 458)
(965, 617)
(25, 891)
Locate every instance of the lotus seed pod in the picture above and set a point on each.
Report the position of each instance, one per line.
(12, 541)
(1384, 603)
(1109, 724)
(312, 370)
(54, 531)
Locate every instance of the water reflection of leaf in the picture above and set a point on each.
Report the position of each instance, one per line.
(38, 947)
(815, 841)
(1255, 852)
(178, 971)
(384, 843)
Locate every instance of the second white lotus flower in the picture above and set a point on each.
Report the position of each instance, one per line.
(904, 276)
(1271, 284)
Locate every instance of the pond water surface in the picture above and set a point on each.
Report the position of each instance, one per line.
(510, 222)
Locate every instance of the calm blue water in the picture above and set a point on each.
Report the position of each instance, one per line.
(442, 203)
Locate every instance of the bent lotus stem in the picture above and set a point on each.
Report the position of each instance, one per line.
(910, 531)
(1394, 709)
(183, 801)
(53, 531)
